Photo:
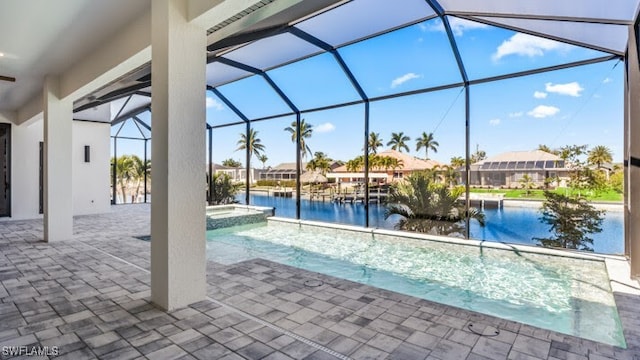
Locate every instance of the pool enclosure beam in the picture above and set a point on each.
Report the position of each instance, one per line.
(363, 96)
(114, 172)
(625, 169)
(244, 118)
(144, 166)
(291, 106)
(210, 177)
(467, 110)
(178, 253)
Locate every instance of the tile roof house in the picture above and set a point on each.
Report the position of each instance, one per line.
(409, 164)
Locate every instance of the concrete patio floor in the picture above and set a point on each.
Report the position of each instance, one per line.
(89, 297)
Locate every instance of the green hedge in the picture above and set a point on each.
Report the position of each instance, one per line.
(283, 183)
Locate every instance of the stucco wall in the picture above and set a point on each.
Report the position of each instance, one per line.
(90, 180)
(25, 149)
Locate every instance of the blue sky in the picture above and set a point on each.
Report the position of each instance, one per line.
(582, 105)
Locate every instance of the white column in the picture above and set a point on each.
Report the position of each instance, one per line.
(178, 261)
(58, 205)
(633, 195)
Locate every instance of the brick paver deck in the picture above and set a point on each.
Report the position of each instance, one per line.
(89, 297)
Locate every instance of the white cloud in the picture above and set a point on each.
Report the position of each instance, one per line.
(211, 102)
(324, 128)
(458, 26)
(540, 95)
(494, 122)
(606, 80)
(571, 89)
(403, 79)
(516, 114)
(526, 45)
(543, 111)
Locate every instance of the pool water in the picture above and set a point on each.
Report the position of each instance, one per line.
(509, 224)
(562, 294)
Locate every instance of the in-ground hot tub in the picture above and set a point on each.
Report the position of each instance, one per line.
(222, 216)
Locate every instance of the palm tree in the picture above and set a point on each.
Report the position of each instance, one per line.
(231, 163)
(450, 175)
(426, 207)
(320, 162)
(124, 173)
(374, 142)
(263, 159)
(599, 155)
(479, 155)
(428, 142)
(395, 163)
(457, 161)
(252, 141)
(527, 183)
(545, 148)
(137, 172)
(399, 141)
(356, 164)
(306, 130)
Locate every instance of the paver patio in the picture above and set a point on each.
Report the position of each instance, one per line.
(90, 297)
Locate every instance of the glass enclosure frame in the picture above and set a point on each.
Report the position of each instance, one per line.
(432, 11)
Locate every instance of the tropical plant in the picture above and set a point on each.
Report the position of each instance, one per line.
(545, 148)
(374, 142)
(581, 177)
(399, 141)
(223, 190)
(356, 164)
(376, 162)
(572, 153)
(571, 220)
(478, 156)
(428, 142)
(599, 155)
(124, 173)
(616, 181)
(450, 175)
(252, 142)
(138, 170)
(231, 163)
(263, 159)
(427, 207)
(306, 130)
(527, 183)
(320, 162)
(457, 161)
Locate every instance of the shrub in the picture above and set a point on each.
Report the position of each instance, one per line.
(283, 183)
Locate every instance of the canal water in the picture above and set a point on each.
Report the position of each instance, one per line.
(517, 225)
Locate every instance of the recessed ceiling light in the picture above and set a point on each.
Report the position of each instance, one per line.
(1, 54)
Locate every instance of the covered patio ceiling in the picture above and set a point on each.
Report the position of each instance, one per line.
(253, 58)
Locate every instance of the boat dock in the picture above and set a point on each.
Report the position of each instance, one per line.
(486, 200)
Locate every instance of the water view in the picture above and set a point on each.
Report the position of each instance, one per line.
(509, 224)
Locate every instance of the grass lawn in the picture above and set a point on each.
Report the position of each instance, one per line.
(607, 195)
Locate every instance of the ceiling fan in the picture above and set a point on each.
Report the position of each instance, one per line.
(7, 78)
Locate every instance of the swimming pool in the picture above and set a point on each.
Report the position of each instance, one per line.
(570, 295)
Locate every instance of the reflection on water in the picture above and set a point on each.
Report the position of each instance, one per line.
(510, 224)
